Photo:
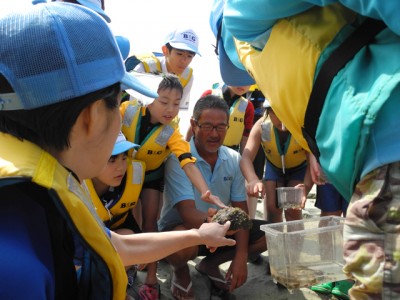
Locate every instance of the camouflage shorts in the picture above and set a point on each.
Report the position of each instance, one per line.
(372, 235)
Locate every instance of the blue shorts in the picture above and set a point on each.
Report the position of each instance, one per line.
(275, 174)
(329, 199)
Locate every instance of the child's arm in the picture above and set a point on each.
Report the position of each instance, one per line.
(254, 184)
(149, 247)
(198, 181)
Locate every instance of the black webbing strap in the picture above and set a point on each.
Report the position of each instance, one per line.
(218, 37)
(184, 156)
(362, 36)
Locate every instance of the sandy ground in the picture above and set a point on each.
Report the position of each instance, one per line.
(259, 284)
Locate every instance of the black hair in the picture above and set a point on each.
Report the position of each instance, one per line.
(169, 47)
(50, 126)
(210, 102)
(170, 82)
(115, 155)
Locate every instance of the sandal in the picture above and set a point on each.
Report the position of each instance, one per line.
(181, 288)
(341, 289)
(149, 292)
(323, 288)
(131, 274)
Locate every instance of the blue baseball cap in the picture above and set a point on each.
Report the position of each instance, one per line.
(232, 70)
(124, 45)
(96, 6)
(93, 5)
(56, 51)
(122, 145)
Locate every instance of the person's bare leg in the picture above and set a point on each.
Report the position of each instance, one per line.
(210, 264)
(252, 206)
(180, 277)
(137, 212)
(274, 214)
(150, 206)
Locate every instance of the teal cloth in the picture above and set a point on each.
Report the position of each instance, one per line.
(359, 129)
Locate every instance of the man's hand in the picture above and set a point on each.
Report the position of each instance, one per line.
(213, 235)
(209, 198)
(237, 273)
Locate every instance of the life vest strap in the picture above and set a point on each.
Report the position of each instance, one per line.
(361, 37)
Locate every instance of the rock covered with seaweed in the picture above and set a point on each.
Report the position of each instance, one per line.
(238, 217)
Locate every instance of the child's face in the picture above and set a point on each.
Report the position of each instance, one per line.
(166, 107)
(240, 90)
(178, 60)
(275, 120)
(115, 170)
(105, 129)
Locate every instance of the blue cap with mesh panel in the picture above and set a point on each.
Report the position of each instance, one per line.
(96, 6)
(53, 52)
(122, 145)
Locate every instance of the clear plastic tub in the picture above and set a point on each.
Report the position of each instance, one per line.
(289, 197)
(306, 252)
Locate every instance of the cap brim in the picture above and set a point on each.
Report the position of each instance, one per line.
(231, 74)
(134, 81)
(122, 147)
(151, 81)
(124, 45)
(96, 9)
(183, 46)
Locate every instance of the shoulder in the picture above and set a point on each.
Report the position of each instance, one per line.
(229, 154)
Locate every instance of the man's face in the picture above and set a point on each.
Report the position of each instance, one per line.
(209, 141)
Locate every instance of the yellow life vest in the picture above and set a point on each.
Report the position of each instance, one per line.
(25, 160)
(130, 195)
(152, 64)
(294, 154)
(294, 41)
(237, 113)
(153, 149)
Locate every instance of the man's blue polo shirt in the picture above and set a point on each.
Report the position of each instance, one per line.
(226, 182)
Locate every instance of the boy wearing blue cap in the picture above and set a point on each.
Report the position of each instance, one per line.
(59, 118)
(116, 189)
